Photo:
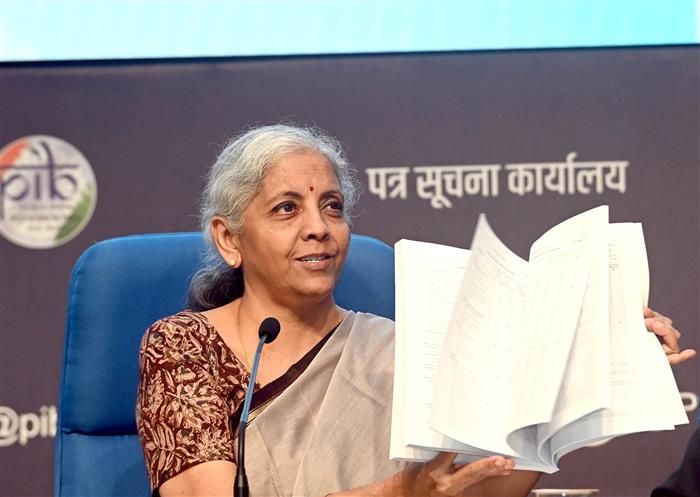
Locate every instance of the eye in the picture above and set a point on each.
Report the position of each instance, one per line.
(335, 205)
(285, 208)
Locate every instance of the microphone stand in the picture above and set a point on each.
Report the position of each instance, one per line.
(269, 329)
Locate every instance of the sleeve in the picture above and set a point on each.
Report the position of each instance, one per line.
(181, 411)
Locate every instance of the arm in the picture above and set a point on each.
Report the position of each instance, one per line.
(519, 483)
(492, 476)
(211, 479)
(182, 411)
(488, 477)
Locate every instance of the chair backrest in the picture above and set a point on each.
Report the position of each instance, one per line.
(118, 288)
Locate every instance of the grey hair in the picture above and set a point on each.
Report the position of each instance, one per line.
(235, 179)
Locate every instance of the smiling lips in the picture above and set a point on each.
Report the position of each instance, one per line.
(314, 258)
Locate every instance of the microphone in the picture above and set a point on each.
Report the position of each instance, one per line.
(268, 331)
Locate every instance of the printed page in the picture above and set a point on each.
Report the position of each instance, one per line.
(401, 402)
(473, 385)
(560, 276)
(586, 385)
(644, 394)
(427, 280)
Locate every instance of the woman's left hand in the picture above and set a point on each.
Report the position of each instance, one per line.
(668, 336)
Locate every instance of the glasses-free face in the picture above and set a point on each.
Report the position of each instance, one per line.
(295, 235)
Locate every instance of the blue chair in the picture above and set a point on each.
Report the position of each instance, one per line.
(118, 288)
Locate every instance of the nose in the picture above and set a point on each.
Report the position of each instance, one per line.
(315, 225)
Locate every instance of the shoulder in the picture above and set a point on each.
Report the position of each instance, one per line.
(373, 320)
(185, 325)
(376, 333)
(372, 323)
(181, 324)
(181, 337)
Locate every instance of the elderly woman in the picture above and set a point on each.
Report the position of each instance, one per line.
(276, 210)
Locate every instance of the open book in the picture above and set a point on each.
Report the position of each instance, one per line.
(527, 359)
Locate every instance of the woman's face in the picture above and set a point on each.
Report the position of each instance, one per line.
(295, 236)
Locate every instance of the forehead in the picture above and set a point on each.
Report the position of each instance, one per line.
(300, 170)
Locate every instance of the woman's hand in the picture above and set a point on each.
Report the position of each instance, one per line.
(441, 477)
(668, 336)
(492, 476)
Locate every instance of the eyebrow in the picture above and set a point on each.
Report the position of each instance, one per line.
(332, 193)
(287, 194)
(298, 196)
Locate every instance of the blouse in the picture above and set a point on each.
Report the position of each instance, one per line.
(190, 385)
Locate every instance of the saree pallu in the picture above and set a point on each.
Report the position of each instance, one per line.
(329, 430)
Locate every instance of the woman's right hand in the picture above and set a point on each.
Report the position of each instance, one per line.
(439, 478)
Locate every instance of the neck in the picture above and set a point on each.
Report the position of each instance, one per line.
(299, 325)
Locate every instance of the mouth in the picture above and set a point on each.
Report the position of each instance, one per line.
(314, 258)
(317, 261)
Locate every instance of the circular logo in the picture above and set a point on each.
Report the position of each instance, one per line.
(47, 192)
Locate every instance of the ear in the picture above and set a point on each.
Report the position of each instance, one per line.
(226, 241)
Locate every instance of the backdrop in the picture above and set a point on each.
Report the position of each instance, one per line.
(96, 150)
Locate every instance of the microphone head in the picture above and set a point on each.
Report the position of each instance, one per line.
(269, 329)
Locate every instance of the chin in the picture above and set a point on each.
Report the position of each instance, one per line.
(316, 292)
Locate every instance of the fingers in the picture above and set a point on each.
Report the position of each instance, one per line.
(648, 313)
(443, 461)
(668, 336)
(652, 314)
(683, 356)
(478, 470)
(451, 480)
(671, 337)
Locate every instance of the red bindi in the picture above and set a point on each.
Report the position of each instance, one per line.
(311, 188)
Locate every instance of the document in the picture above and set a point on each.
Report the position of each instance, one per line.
(529, 359)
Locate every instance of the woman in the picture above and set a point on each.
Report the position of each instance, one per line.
(276, 208)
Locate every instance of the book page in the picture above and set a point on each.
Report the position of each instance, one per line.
(427, 280)
(473, 385)
(586, 385)
(401, 401)
(567, 264)
(644, 394)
